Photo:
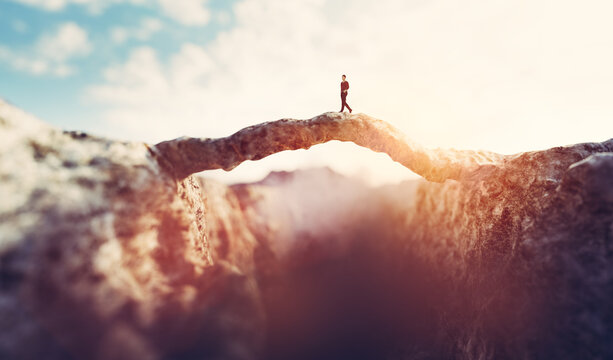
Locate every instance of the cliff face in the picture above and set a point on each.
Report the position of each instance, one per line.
(530, 242)
(515, 263)
(111, 250)
(102, 253)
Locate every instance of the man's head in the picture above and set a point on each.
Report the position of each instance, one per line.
(344, 77)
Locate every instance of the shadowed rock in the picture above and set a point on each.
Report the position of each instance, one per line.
(110, 250)
(104, 255)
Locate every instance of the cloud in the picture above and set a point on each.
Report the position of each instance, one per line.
(147, 28)
(223, 17)
(281, 60)
(481, 74)
(187, 12)
(68, 41)
(49, 5)
(136, 82)
(93, 6)
(119, 34)
(52, 53)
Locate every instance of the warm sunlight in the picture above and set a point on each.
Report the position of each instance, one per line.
(500, 76)
(306, 179)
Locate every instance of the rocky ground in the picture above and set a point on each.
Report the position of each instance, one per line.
(112, 250)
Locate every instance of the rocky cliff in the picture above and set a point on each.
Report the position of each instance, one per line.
(113, 250)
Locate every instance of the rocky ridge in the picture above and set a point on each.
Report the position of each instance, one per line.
(113, 250)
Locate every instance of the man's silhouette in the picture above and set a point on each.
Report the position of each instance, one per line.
(344, 88)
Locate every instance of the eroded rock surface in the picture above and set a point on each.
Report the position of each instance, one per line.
(191, 155)
(103, 254)
(111, 250)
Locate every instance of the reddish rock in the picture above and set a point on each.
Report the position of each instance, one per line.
(112, 250)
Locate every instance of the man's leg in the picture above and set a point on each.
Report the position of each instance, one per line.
(343, 103)
(347, 105)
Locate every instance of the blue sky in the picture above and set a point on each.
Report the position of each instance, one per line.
(59, 100)
(504, 75)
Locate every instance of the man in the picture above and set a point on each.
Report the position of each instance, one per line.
(344, 88)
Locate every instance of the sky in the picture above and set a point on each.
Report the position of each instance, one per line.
(499, 75)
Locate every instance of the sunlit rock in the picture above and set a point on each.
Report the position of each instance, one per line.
(113, 250)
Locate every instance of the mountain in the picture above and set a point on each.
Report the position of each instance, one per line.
(116, 250)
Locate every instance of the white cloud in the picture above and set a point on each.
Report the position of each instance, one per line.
(187, 12)
(502, 76)
(68, 41)
(51, 53)
(93, 6)
(147, 28)
(120, 34)
(135, 82)
(223, 17)
(50, 5)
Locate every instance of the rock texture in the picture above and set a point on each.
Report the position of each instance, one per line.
(111, 250)
(104, 255)
(191, 155)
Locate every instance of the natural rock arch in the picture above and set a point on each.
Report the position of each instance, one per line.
(190, 155)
